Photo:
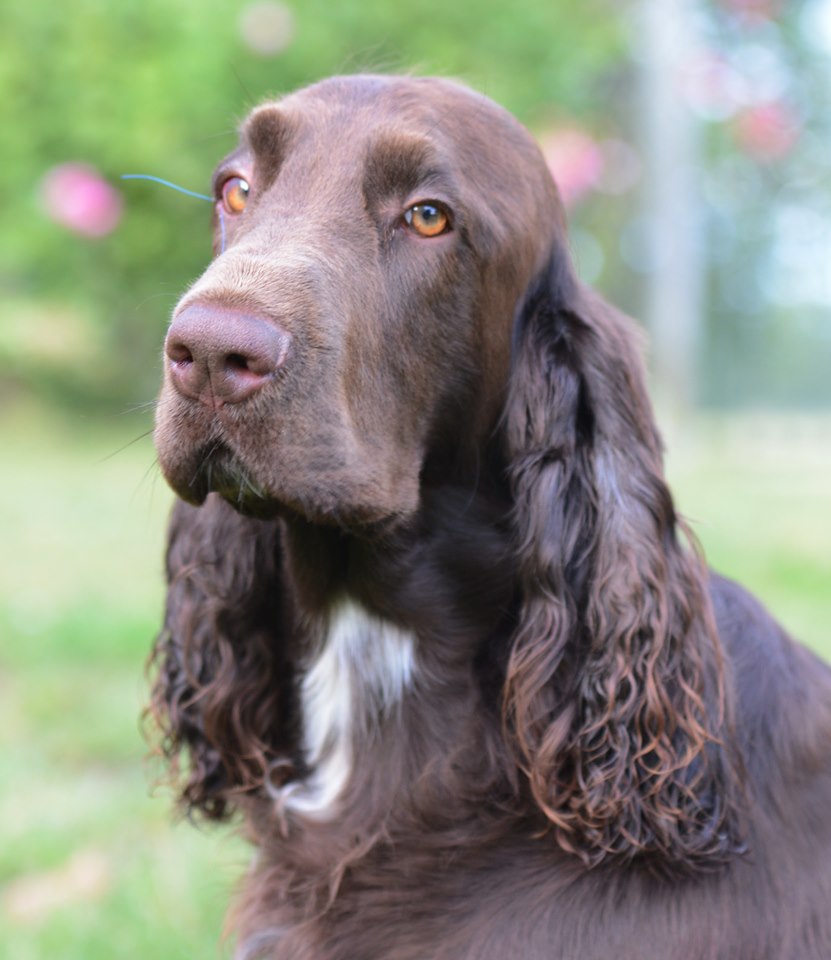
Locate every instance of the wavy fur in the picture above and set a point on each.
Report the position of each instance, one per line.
(222, 679)
(614, 691)
(433, 627)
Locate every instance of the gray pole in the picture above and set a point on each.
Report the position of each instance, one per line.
(675, 289)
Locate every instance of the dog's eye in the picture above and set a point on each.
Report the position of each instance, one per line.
(234, 193)
(427, 219)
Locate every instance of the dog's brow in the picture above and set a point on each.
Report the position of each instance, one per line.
(268, 131)
(398, 163)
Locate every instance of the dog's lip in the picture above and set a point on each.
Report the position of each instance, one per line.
(217, 469)
(212, 468)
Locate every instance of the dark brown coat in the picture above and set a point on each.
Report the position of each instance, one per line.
(434, 627)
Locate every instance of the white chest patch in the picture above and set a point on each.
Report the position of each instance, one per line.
(359, 677)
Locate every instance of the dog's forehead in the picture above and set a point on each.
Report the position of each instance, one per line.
(413, 98)
(390, 134)
(366, 107)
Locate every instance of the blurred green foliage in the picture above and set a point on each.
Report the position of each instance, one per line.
(156, 87)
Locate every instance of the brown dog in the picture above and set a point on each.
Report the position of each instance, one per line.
(433, 625)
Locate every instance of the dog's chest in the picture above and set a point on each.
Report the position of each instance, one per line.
(351, 687)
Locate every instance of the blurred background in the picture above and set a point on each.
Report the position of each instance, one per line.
(691, 140)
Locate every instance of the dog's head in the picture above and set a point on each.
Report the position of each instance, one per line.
(373, 236)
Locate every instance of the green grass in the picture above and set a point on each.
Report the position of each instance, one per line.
(91, 863)
(757, 491)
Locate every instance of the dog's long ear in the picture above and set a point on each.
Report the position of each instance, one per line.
(615, 697)
(221, 681)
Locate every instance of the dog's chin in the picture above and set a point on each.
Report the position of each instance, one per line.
(251, 505)
(219, 470)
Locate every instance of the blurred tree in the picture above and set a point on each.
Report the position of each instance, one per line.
(767, 195)
(154, 86)
(743, 117)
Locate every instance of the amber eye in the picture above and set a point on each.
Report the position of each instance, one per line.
(427, 219)
(234, 193)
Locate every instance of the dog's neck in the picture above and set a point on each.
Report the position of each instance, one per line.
(455, 552)
(383, 623)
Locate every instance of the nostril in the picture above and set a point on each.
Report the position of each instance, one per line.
(236, 376)
(261, 359)
(179, 352)
(236, 361)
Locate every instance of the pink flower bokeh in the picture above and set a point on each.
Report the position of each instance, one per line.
(575, 161)
(768, 131)
(79, 198)
(754, 11)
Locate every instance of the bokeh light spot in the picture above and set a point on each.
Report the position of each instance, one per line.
(575, 161)
(267, 27)
(77, 197)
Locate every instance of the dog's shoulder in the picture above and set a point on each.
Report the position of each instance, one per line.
(772, 672)
(783, 728)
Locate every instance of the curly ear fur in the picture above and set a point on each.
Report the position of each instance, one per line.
(221, 684)
(615, 697)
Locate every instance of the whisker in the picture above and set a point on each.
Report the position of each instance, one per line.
(126, 446)
(172, 294)
(209, 137)
(243, 87)
(138, 407)
(152, 473)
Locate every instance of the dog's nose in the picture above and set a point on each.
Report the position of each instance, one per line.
(218, 355)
